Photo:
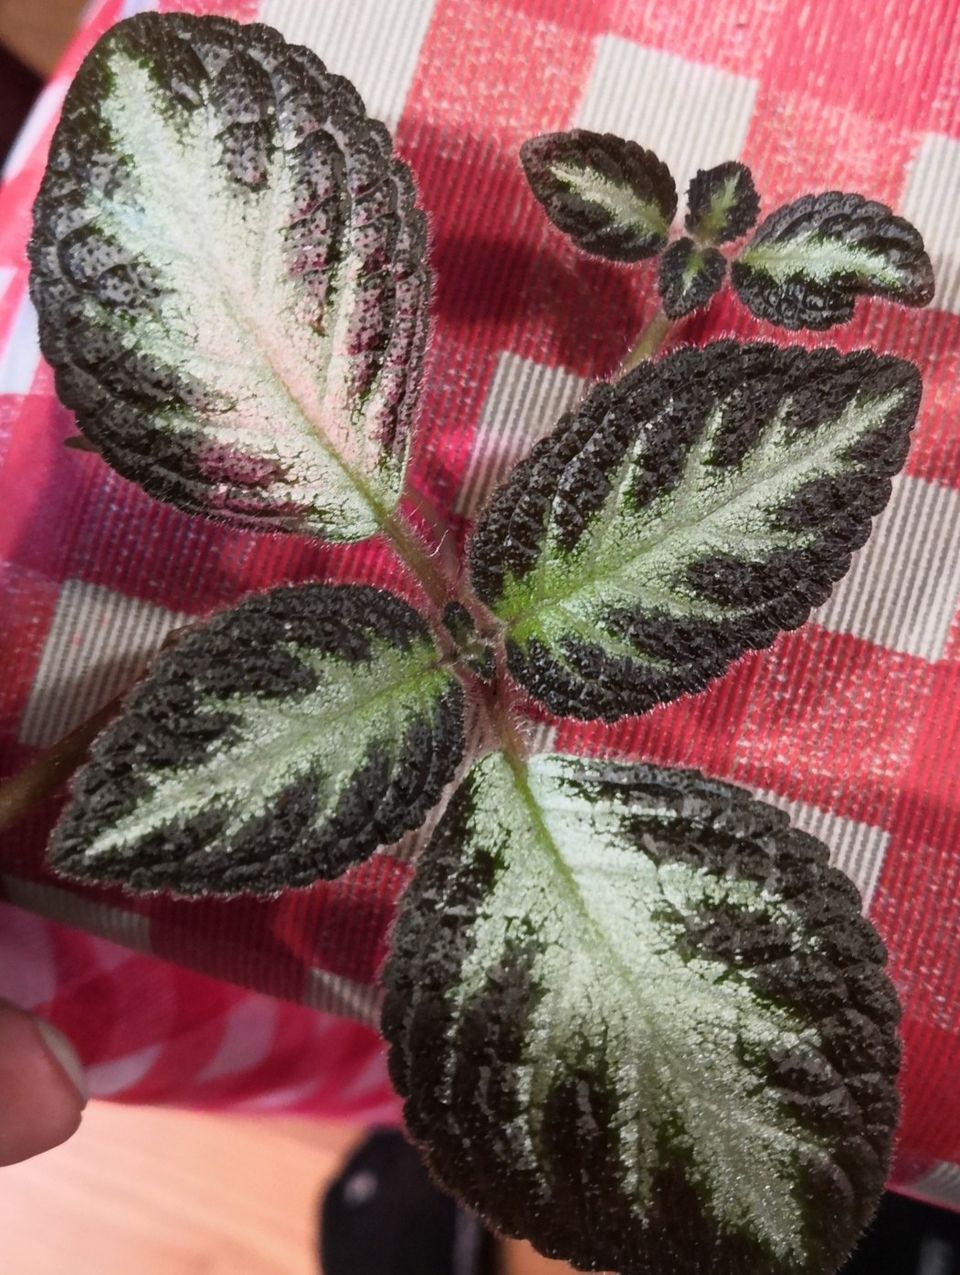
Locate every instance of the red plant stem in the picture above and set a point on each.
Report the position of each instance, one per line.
(52, 768)
(648, 342)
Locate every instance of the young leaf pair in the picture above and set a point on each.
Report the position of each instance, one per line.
(635, 1016)
(803, 267)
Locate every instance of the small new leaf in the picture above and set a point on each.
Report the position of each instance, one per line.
(685, 515)
(810, 260)
(612, 197)
(231, 280)
(639, 1020)
(283, 742)
(722, 203)
(689, 277)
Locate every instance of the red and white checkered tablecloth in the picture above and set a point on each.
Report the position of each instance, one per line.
(853, 722)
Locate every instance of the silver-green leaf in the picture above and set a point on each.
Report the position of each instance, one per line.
(639, 1020)
(687, 514)
(690, 277)
(611, 196)
(281, 743)
(809, 261)
(230, 274)
(722, 203)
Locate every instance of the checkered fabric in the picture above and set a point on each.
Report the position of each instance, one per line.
(852, 723)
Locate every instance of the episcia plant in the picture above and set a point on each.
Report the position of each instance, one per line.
(636, 1016)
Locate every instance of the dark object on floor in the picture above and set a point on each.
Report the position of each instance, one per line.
(908, 1238)
(384, 1216)
(18, 88)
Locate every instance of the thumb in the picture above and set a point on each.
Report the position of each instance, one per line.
(42, 1090)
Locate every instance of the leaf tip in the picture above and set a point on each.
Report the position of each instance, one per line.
(613, 198)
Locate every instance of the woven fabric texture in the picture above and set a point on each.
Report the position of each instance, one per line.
(852, 723)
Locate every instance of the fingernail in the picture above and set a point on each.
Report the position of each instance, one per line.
(65, 1054)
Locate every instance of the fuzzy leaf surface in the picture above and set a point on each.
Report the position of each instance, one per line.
(640, 1021)
(611, 196)
(722, 203)
(230, 274)
(281, 743)
(685, 515)
(809, 261)
(690, 276)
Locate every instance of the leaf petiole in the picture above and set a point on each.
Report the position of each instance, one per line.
(649, 342)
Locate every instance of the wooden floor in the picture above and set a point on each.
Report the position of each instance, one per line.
(142, 1191)
(149, 1191)
(37, 31)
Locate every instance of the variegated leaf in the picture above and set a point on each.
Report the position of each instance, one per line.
(809, 261)
(639, 1020)
(231, 280)
(690, 276)
(283, 742)
(611, 196)
(722, 203)
(688, 514)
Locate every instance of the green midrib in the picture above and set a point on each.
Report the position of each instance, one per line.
(219, 283)
(691, 270)
(716, 216)
(624, 206)
(562, 869)
(684, 1085)
(819, 258)
(614, 566)
(417, 691)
